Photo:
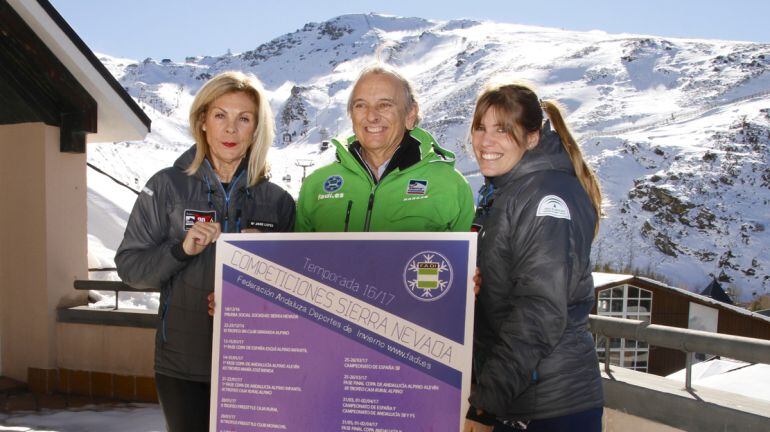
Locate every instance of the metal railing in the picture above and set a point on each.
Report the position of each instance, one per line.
(114, 286)
(690, 341)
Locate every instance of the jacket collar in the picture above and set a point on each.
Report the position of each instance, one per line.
(206, 171)
(406, 155)
(418, 146)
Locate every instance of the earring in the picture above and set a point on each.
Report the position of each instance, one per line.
(203, 128)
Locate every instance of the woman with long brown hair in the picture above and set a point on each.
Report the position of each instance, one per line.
(535, 365)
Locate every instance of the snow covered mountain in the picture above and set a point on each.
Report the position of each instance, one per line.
(677, 129)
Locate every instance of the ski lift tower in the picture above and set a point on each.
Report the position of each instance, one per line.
(304, 163)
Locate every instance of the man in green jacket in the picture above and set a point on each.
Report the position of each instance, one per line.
(390, 175)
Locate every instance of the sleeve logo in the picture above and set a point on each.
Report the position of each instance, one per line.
(553, 206)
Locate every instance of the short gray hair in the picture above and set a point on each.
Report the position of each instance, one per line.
(383, 69)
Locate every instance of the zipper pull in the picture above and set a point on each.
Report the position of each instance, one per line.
(347, 215)
(369, 211)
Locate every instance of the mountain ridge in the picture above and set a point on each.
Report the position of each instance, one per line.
(677, 129)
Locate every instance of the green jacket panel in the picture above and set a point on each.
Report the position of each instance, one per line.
(429, 195)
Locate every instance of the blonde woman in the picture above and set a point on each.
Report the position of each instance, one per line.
(535, 365)
(218, 185)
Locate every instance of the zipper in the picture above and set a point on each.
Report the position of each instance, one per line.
(347, 215)
(368, 219)
(375, 183)
(226, 218)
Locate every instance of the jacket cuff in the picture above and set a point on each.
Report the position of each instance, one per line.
(178, 252)
(484, 418)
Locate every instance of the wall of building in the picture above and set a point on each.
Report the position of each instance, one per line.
(109, 349)
(731, 322)
(44, 243)
(670, 310)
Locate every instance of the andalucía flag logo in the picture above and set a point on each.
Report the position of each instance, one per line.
(427, 275)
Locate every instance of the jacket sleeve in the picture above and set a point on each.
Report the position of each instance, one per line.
(466, 207)
(144, 258)
(536, 285)
(303, 223)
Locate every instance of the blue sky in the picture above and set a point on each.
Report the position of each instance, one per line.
(178, 28)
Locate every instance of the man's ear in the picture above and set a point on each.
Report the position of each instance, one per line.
(411, 116)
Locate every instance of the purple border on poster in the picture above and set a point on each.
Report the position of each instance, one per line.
(285, 361)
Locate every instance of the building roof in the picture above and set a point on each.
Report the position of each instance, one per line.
(118, 117)
(606, 280)
(602, 279)
(715, 291)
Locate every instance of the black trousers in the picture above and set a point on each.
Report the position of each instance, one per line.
(584, 421)
(185, 404)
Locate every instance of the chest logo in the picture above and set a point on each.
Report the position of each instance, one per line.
(259, 226)
(428, 276)
(192, 216)
(417, 187)
(553, 206)
(333, 184)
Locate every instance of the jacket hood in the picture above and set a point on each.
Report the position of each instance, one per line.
(185, 159)
(429, 148)
(549, 154)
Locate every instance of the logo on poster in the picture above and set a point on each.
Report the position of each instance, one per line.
(428, 276)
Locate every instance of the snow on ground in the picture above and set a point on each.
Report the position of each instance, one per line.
(108, 208)
(752, 380)
(128, 418)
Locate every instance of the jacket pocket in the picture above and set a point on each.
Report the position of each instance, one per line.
(416, 218)
(259, 218)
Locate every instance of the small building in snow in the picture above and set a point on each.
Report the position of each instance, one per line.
(639, 298)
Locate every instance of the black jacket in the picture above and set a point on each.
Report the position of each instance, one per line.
(534, 357)
(150, 255)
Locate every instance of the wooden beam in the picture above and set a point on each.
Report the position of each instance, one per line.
(72, 139)
(44, 88)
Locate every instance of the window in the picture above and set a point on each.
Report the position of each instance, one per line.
(627, 302)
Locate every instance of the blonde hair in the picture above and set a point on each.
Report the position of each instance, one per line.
(517, 104)
(264, 133)
(410, 98)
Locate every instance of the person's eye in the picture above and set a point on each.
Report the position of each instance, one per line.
(501, 130)
(358, 106)
(384, 106)
(219, 115)
(479, 128)
(245, 120)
